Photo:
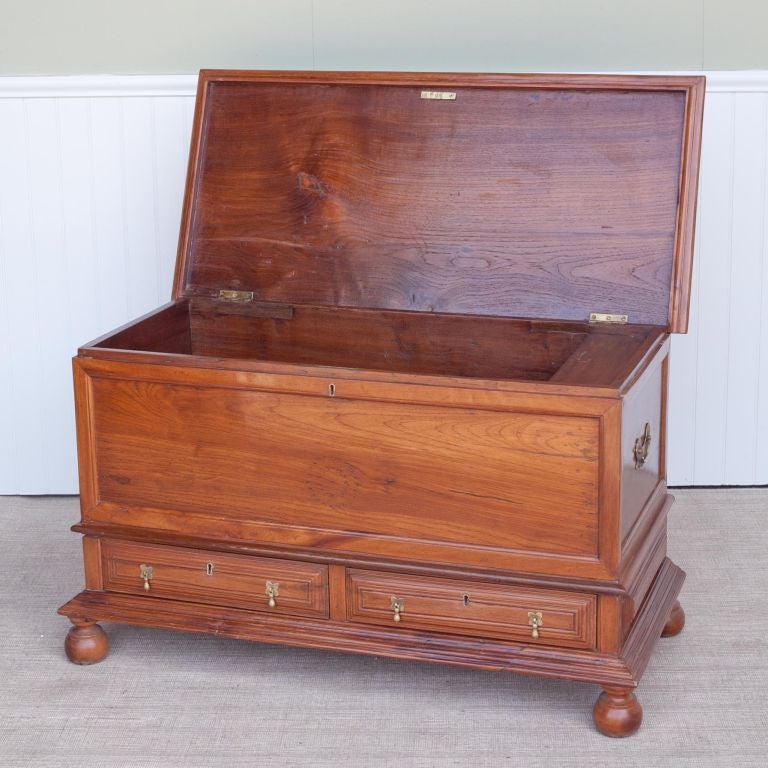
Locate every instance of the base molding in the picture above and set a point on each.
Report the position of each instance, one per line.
(623, 669)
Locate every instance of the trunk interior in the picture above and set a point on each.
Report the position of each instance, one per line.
(432, 344)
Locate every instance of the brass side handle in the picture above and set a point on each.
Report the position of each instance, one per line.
(397, 605)
(535, 620)
(271, 591)
(145, 572)
(642, 446)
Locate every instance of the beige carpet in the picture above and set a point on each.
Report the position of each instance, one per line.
(168, 699)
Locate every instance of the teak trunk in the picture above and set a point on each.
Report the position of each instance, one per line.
(409, 397)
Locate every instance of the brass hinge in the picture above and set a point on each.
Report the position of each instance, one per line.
(241, 296)
(605, 317)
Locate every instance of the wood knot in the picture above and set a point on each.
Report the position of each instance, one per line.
(309, 183)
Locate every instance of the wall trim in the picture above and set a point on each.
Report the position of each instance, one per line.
(737, 82)
(95, 86)
(110, 86)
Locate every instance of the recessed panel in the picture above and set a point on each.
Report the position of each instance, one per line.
(456, 476)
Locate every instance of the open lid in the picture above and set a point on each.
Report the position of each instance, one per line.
(533, 196)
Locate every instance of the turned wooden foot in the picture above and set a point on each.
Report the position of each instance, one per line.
(617, 712)
(86, 644)
(675, 622)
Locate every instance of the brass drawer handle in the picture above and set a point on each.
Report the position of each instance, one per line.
(535, 620)
(145, 572)
(397, 604)
(642, 446)
(271, 592)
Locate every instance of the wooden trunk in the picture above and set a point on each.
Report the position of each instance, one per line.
(410, 395)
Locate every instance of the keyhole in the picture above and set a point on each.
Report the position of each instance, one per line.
(331, 390)
(466, 600)
(209, 569)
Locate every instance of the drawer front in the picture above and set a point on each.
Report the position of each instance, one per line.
(216, 578)
(473, 608)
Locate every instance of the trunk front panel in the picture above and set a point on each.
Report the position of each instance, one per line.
(473, 478)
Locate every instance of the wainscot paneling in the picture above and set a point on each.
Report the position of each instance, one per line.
(91, 177)
(718, 415)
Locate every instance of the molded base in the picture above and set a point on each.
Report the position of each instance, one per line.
(616, 712)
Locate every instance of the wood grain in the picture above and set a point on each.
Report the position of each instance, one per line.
(92, 562)
(427, 473)
(558, 394)
(441, 344)
(518, 198)
(467, 607)
(234, 580)
(166, 329)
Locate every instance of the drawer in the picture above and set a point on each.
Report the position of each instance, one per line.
(472, 608)
(216, 578)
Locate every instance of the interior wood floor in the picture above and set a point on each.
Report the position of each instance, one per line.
(163, 699)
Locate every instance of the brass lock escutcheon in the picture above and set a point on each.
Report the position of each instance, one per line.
(535, 620)
(145, 572)
(397, 605)
(271, 592)
(642, 446)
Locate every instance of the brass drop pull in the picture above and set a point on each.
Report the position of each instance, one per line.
(271, 592)
(397, 604)
(145, 572)
(642, 446)
(535, 620)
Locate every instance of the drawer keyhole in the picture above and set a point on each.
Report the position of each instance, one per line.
(466, 600)
(209, 569)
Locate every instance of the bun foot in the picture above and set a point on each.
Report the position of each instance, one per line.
(675, 622)
(617, 712)
(86, 644)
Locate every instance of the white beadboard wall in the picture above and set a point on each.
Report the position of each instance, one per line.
(91, 177)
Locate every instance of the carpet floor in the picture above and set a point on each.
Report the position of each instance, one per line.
(166, 700)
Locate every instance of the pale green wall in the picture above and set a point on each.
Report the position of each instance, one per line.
(181, 36)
